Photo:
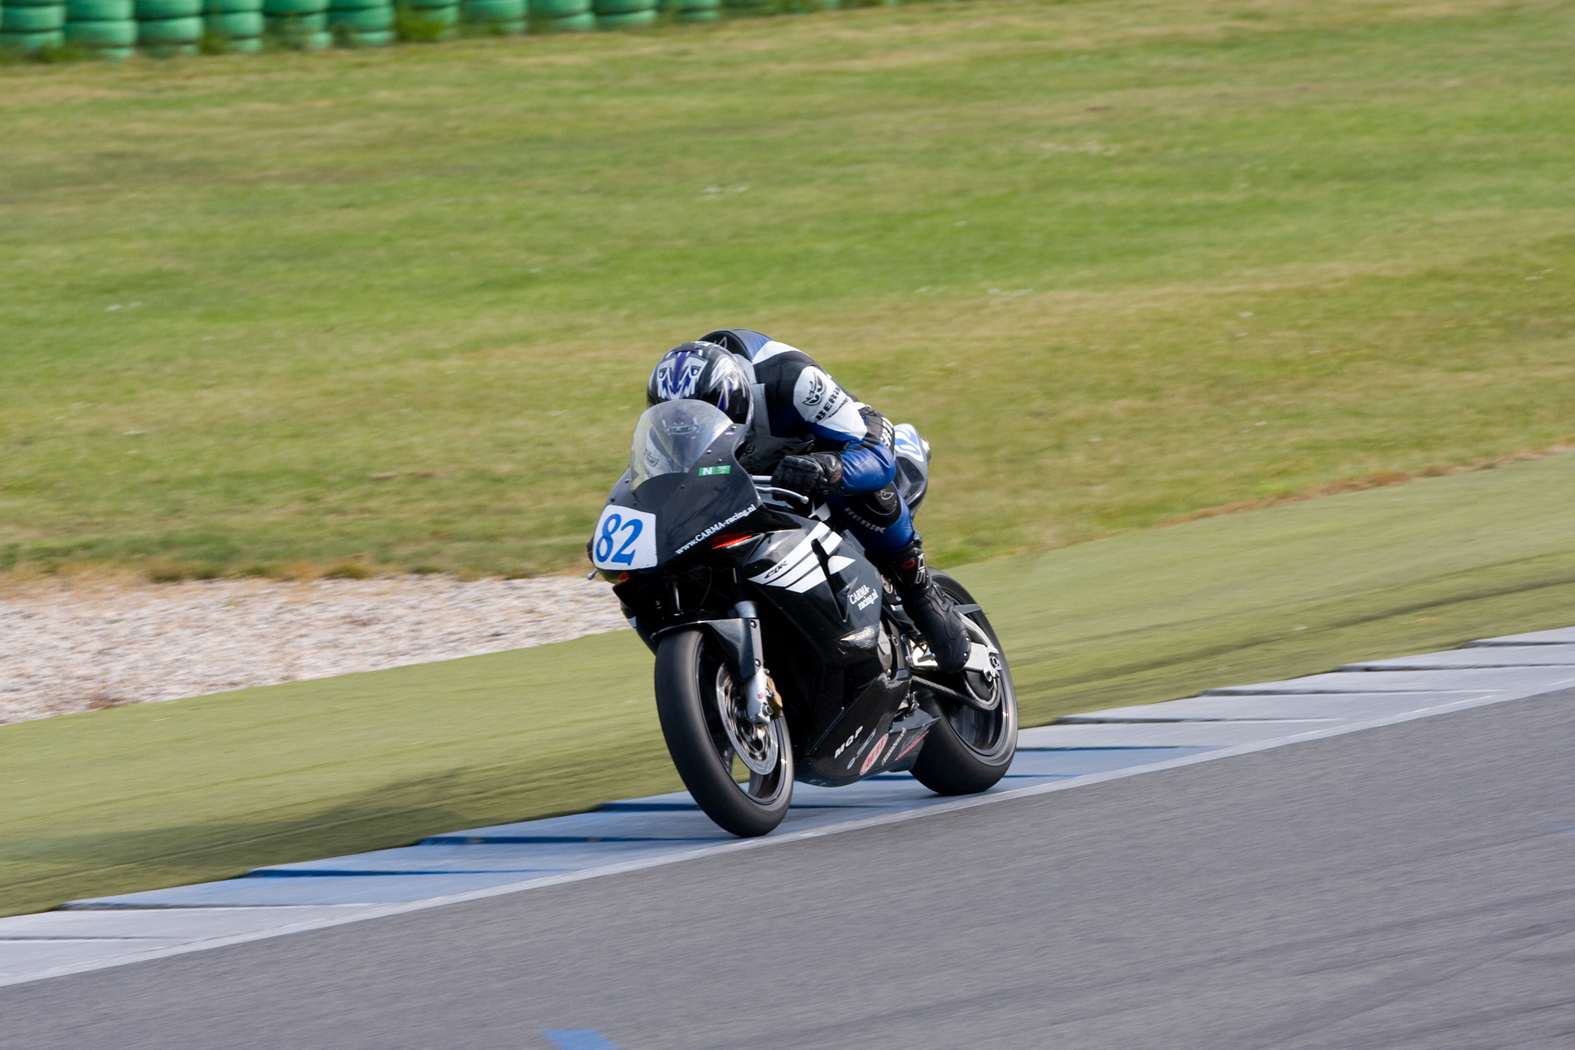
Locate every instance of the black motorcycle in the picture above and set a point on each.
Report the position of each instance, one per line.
(781, 651)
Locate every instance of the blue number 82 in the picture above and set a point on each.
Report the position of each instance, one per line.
(608, 540)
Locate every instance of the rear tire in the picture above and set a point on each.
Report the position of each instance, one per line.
(695, 690)
(969, 750)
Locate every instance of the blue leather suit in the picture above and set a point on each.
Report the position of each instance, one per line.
(800, 409)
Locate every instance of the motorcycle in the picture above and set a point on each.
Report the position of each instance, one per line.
(782, 653)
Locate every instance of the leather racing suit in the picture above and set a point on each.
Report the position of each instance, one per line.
(801, 412)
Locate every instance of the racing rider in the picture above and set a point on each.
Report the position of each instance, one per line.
(813, 437)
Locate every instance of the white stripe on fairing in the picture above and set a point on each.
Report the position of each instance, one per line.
(794, 557)
(802, 579)
(803, 569)
(810, 580)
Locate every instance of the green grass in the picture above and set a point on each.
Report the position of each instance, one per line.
(159, 794)
(397, 307)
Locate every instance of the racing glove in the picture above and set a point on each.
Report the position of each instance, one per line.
(812, 475)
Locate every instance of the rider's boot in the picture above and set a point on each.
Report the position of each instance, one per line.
(931, 611)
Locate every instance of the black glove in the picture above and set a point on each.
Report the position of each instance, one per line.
(812, 475)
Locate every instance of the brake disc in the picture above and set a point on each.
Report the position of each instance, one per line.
(755, 745)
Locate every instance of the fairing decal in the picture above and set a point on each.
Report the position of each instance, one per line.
(797, 562)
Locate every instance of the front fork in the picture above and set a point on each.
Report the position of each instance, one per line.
(759, 696)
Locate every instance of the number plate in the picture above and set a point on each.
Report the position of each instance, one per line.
(625, 539)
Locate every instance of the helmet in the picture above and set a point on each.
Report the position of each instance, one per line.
(705, 372)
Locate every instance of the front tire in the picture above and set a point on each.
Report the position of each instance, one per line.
(969, 750)
(700, 705)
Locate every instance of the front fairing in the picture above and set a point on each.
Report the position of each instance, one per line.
(653, 520)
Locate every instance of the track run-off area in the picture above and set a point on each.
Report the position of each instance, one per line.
(1194, 800)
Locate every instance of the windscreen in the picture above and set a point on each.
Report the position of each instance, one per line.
(672, 437)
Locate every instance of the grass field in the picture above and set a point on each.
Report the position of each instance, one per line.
(1122, 261)
(160, 794)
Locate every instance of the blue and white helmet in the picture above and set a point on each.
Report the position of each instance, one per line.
(705, 372)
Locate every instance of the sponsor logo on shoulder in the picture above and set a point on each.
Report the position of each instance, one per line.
(833, 403)
(817, 389)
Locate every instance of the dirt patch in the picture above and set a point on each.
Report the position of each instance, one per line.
(74, 646)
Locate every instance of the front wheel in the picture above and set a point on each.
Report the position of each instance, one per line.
(740, 774)
(969, 750)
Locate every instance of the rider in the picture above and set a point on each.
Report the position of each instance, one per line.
(811, 436)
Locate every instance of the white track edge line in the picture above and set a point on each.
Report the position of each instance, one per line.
(378, 911)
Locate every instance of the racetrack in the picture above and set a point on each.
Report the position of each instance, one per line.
(1410, 885)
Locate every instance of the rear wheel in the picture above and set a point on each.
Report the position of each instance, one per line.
(969, 750)
(740, 774)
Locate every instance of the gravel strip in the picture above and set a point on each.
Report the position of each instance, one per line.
(83, 647)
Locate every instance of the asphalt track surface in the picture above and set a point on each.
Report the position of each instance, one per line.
(1411, 885)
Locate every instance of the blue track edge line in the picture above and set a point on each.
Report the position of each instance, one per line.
(578, 1039)
(358, 913)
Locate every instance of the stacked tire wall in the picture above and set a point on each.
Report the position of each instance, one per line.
(625, 14)
(431, 20)
(237, 25)
(692, 11)
(502, 16)
(31, 26)
(166, 28)
(102, 28)
(113, 29)
(298, 23)
(564, 16)
(361, 23)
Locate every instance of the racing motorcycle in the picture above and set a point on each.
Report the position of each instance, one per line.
(782, 653)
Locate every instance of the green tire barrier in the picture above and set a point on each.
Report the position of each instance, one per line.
(159, 32)
(155, 32)
(606, 8)
(559, 8)
(100, 10)
(378, 39)
(112, 54)
(31, 41)
(493, 12)
(582, 23)
(24, 21)
(284, 8)
(363, 20)
(168, 50)
(633, 20)
(95, 35)
(445, 15)
(235, 25)
(160, 10)
(298, 29)
(227, 7)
